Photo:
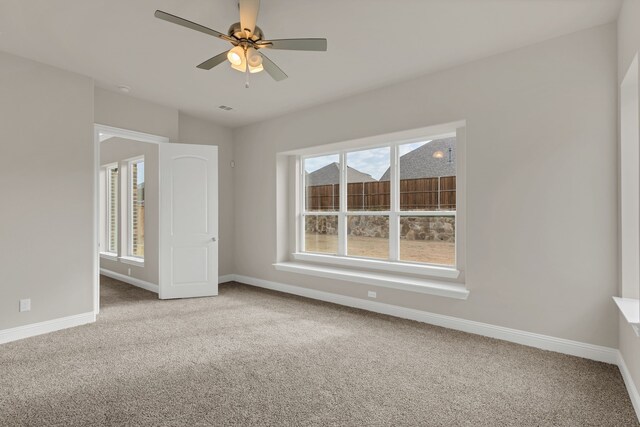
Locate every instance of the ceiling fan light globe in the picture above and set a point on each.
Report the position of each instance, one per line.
(257, 69)
(253, 57)
(234, 58)
(235, 55)
(240, 67)
(255, 61)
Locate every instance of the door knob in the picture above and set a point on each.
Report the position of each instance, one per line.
(213, 239)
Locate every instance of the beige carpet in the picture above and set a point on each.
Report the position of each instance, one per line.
(255, 357)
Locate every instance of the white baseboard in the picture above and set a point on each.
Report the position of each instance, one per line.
(545, 342)
(152, 287)
(147, 285)
(26, 331)
(47, 326)
(226, 278)
(631, 386)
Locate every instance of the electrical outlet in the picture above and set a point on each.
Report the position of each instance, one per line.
(129, 271)
(372, 294)
(25, 304)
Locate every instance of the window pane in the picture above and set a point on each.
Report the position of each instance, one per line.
(368, 236)
(428, 175)
(137, 207)
(368, 176)
(322, 183)
(321, 234)
(428, 239)
(112, 210)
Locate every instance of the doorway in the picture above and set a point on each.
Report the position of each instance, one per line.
(126, 206)
(156, 222)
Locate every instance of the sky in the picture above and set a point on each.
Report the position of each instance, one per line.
(140, 173)
(374, 161)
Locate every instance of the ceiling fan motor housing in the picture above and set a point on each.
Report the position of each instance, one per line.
(235, 30)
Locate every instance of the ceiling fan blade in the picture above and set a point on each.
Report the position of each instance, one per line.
(272, 69)
(212, 62)
(295, 44)
(249, 15)
(192, 25)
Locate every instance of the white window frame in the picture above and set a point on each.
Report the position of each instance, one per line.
(105, 202)
(393, 265)
(128, 257)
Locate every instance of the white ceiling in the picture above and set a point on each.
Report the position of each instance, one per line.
(371, 43)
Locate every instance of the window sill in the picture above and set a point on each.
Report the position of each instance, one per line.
(392, 281)
(385, 266)
(109, 256)
(139, 262)
(630, 309)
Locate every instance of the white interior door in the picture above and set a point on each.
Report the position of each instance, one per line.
(188, 221)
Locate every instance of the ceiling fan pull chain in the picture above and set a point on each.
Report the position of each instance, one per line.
(246, 59)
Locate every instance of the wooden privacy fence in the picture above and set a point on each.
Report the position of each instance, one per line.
(427, 194)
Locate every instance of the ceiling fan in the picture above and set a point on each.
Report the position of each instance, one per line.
(247, 39)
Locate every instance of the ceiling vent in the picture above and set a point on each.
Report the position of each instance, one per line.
(225, 108)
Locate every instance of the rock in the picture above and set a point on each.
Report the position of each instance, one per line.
(405, 228)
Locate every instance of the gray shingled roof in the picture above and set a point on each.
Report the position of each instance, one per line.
(420, 162)
(330, 174)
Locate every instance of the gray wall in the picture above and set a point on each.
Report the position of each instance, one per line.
(542, 244)
(628, 46)
(128, 112)
(116, 150)
(46, 181)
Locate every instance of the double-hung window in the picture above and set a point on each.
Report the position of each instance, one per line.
(123, 204)
(394, 203)
(135, 232)
(111, 194)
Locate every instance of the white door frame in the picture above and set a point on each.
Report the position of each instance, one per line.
(99, 132)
